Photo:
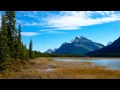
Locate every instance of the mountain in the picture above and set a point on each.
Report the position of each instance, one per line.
(110, 50)
(78, 46)
(109, 43)
(50, 50)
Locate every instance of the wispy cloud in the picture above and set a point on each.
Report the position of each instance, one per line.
(29, 33)
(51, 31)
(32, 24)
(70, 20)
(27, 13)
(76, 20)
(105, 12)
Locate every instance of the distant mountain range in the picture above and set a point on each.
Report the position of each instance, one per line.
(83, 46)
(110, 50)
(50, 50)
(78, 46)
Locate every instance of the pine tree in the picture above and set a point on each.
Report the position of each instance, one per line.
(18, 45)
(10, 15)
(30, 50)
(22, 55)
(4, 49)
(26, 52)
(19, 34)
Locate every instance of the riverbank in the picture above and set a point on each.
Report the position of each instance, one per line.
(88, 58)
(46, 68)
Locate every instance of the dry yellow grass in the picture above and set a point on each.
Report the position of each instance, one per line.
(45, 68)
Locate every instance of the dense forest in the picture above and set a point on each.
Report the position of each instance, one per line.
(11, 45)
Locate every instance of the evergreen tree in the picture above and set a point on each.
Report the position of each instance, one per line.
(22, 55)
(18, 45)
(10, 15)
(19, 34)
(30, 50)
(4, 49)
(26, 52)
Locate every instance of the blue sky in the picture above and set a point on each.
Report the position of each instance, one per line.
(49, 29)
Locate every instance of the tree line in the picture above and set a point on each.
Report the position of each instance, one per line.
(11, 45)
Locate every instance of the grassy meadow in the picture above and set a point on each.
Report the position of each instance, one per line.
(46, 68)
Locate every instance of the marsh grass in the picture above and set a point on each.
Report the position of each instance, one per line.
(36, 69)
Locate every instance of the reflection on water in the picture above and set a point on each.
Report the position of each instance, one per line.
(111, 63)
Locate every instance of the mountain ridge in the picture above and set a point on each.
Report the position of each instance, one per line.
(50, 50)
(112, 49)
(79, 45)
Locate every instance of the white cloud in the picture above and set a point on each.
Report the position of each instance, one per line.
(29, 33)
(69, 20)
(51, 31)
(76, 20)
(105, 12)
(32, 24)
(27, 13)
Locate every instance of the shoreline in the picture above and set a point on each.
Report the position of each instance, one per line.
(86, 58)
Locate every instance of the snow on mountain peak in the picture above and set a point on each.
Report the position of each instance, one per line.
(77, 39)
(78, 36)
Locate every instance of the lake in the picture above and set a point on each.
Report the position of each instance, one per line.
(113, 64)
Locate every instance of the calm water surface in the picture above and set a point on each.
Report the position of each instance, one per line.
(113, 64)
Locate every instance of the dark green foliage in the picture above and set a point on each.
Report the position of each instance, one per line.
(19, 34)
(24, 55)
(30, 50)
(39, 54)
(31, 53)
(18, 45)
(4, 49)
(11, 46)
(10, 23)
